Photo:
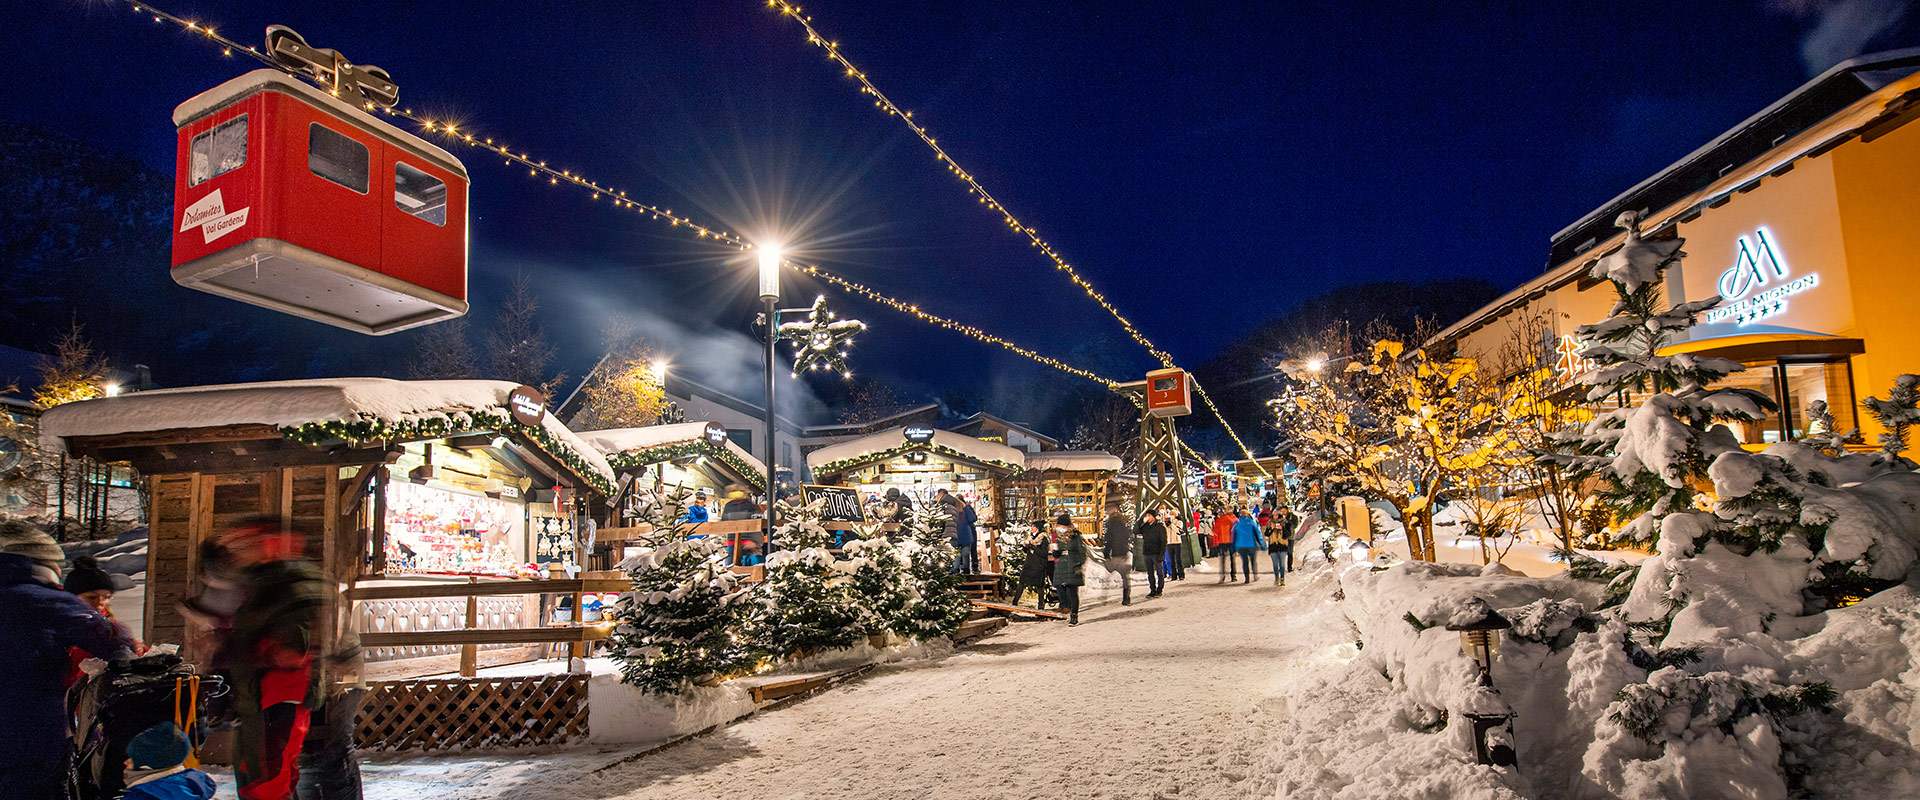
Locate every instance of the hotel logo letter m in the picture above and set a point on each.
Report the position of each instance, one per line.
(1752, 262)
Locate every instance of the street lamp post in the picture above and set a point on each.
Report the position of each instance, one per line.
(770, 301)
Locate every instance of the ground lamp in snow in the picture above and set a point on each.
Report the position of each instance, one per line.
(1480, 626)
(296, 198)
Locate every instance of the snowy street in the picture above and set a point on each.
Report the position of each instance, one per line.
(1166, 698)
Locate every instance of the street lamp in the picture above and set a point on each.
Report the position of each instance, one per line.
(770, 257)
(1479, 627)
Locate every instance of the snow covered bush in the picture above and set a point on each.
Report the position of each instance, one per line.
(882, 580)
(936, 607)
(681, 622)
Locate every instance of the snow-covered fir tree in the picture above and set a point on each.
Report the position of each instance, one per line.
(682, 622)
(1897, 413)
(937, 607)
(807, 603)
(883, 580)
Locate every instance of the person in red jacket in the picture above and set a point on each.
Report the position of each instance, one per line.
(1223, 543)
(271, 653)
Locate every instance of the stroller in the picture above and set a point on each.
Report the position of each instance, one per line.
(111, 708)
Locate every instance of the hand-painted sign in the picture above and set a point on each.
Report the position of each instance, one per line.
(1756, 263)
(842, 503)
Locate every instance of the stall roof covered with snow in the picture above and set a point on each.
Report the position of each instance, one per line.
(1074, 461)
(636, 448)
(197, 428)
(894, 442)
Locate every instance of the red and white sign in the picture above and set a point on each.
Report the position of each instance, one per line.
(210, 215)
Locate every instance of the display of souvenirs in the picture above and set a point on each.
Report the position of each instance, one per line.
(433, 530)
(553, 539)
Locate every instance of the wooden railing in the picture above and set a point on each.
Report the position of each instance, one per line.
(574, 634)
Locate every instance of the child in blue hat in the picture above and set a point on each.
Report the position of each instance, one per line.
(156, 768)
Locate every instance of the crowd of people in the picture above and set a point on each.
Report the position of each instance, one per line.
(255, 626)
(1054, 562)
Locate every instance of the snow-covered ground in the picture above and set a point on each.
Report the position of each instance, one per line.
(1172, 697)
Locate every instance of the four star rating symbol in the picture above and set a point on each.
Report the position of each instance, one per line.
(820, 340)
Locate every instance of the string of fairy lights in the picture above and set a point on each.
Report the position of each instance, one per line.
(985, 198)
(452, 132)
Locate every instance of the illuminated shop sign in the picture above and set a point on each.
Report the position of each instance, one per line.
(1757, 263)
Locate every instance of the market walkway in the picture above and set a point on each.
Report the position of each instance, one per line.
(1162, 699)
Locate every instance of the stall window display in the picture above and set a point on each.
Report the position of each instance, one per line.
(434, 530)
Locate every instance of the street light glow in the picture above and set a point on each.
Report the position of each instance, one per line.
(1313, 365)
(770, 257)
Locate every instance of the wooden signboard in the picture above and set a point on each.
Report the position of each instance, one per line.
(843, 503)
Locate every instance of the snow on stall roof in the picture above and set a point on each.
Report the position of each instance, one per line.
(1074, 460)
(625, 440)
(287, 404)
(894, 437)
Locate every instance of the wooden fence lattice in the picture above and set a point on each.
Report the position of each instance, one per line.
(460, 713)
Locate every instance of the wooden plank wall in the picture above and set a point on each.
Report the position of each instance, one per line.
(192, 508)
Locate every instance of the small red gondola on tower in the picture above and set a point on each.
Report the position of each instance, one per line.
(289, 197)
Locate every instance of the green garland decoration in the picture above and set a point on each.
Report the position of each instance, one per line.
(634, 459)
(367, 429)
(835, 467)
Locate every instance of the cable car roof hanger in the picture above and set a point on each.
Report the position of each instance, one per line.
(282, 197)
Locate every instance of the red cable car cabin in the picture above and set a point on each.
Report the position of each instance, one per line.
(289, 198)
(1169, 393)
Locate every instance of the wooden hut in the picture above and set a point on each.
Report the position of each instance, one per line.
(1071, 482)
(445, 515)
(693, 456)
(919, 461)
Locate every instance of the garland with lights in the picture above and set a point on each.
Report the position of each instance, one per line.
(452, 132)
(361, 430)
(985, 198)
(635, 459)
(835, 467)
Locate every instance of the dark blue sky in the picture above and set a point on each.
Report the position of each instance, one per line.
(1206, 165)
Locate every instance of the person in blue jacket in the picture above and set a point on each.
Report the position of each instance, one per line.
(697, 513)
(38, 622)
(1247, 540)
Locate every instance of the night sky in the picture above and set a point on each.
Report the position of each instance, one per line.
(1205, 165)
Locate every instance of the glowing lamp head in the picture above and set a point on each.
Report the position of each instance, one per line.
(111, 390)
(1314, 364)
(659, 368)
(770, 258)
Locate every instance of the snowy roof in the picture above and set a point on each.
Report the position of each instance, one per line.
(630, 440)
(894, 438)
(291, 404)
(1074, 460)
(239, 88)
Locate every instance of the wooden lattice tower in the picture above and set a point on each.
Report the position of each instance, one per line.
(1164, 395)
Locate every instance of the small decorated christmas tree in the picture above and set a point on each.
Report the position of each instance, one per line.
(938, 607)
(883, 582)
(807, 602)
(681, 623)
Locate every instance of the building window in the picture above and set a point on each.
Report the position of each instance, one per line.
(334, 156)
(1792, 385)
(742, 437)
(218, 151)
(419, 194)
(786, 454)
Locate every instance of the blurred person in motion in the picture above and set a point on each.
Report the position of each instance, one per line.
(1116, 546)
(1069, 553)
(271, 653)
(1153, 548)
(1223, 543)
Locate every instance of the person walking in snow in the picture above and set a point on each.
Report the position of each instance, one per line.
(1116, 545)
(1247, 540)
(1153, 545)
(1069, 550)
(1035, 569)
(272, 650)
(1279, 544)
(38, 623)
(1223, 543)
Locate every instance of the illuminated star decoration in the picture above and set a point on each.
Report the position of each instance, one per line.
(820, 340)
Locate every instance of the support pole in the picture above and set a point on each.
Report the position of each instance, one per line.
(773, 336)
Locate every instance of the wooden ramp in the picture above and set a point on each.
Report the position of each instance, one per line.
(981, 586)
(1009, 609)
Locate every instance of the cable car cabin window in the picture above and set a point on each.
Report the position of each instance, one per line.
(420, 194)
(1163, 384)
(218, 151)
(333, 156)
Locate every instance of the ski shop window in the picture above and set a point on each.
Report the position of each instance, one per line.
(419, 194)
(218, 151)
(333, 156)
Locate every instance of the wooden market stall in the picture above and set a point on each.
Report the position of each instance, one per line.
(445, 515)
(919, 461)
(697, 457)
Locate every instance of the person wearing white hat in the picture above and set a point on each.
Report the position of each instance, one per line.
(38, 622)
